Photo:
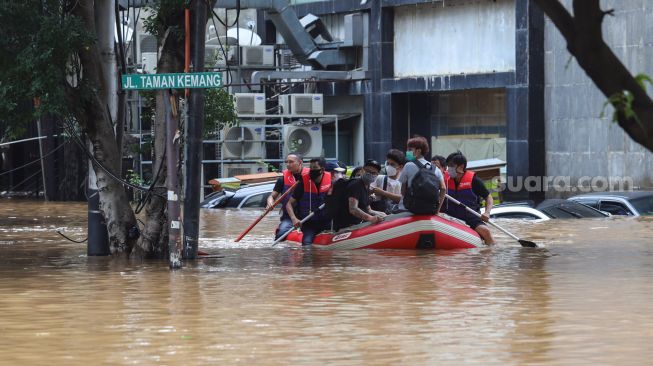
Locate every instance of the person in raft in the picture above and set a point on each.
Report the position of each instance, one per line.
(292, 173)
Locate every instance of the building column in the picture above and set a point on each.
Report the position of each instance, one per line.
(525, 114)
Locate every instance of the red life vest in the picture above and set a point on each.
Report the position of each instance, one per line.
(288, 181)
(314, 196)
(463, 193)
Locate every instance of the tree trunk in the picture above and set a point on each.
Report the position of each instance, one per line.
(155, 235)
(94, 119)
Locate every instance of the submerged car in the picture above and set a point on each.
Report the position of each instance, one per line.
(252, 196)
(548, 209)
(635, 203)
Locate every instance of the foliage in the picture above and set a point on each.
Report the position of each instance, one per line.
(219, 111)
(39, 39)
(623, 101)
(164, 16)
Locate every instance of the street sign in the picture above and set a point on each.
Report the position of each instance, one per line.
(172, 81)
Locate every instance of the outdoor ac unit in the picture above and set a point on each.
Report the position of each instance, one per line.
(148, 60)
(249, 103)
(306, 140)
(243, 142)
(257, 55)
(302, 104)
(230, 170)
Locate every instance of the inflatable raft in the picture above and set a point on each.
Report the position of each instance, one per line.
(400, 231)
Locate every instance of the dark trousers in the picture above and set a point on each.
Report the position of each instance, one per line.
(284, 226)
(312, 228)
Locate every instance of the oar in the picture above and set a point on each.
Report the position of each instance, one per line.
(524, 243)
(300, 224)
(286, 193)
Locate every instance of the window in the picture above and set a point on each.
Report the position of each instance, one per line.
(643, 205)
(257, 200)
(615, 208)
(515, 215)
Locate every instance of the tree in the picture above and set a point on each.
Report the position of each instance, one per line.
(625, 92)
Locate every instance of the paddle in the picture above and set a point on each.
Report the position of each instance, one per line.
(524, 243)
(300, 224)
(286, 193)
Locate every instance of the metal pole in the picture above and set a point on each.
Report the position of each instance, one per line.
(98, 236)
(172, 183)
(337, 137)
(45, 189)
(194, 129)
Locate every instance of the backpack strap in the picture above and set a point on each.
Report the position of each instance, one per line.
(385, 183)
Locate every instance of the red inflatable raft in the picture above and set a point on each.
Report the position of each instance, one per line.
(401, 231)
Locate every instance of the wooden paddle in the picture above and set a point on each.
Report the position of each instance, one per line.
(284, 195)
(524, 243)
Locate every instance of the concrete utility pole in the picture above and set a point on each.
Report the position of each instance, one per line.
(194, 129)
(172, 182)
(98, 237)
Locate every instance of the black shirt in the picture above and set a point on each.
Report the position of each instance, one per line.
(478, 187)
(355, 189)
(278, 186)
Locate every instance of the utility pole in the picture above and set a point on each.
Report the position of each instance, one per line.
(172, 181)
(194, 128)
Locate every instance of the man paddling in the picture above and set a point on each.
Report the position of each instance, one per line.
(292, 173)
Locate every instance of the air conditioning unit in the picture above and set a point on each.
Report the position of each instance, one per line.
(257, 55)
(231, 170)
(301, 104)
(243, 142)
(306, 140)
(148, 60)
(249, 103)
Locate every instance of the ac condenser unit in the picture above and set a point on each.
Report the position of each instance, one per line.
(306, 140)
(302, 104)
(249, 103)
(231, 170)
(257, 55)
(243, 142)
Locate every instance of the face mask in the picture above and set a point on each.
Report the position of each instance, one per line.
(410, 156)
(368, 178)
(390, 170)
(452, 171)
(314, 174)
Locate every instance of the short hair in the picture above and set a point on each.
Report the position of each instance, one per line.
(355, 171)
(419, 142)
(457, 158)
(298, 155)
(373, 163)
(320, 161)
(440, 159)
(396, 155)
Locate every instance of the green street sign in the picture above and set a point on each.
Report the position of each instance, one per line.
(172, 81)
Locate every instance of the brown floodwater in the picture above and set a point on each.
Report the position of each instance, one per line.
(586, 297)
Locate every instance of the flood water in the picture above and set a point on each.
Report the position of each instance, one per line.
(585, 298)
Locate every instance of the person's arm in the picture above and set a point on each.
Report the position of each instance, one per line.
(443, 193)
(290, 209)
(276, 191)
(479, 189)
(358, 213)
(376, 213)
(391, 196)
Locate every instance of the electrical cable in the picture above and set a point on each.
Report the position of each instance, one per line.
(73, 240)
(37, 160)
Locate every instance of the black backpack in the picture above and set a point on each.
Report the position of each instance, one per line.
(382, 204)
(422, 194)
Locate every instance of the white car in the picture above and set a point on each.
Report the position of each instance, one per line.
(548, 209)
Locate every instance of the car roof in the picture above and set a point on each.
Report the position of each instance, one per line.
(629, 195)
(254, 189)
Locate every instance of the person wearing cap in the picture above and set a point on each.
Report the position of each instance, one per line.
(335, 169)
(357, 195)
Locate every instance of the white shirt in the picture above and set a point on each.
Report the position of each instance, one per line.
(394, 186)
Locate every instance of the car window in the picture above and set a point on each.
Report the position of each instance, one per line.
(514, 215)
(588, 202)
(643, 205)
(614, 207)
(257, 200)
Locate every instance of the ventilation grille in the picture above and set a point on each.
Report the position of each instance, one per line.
(303, 104)
(254, 55)
(245, 105)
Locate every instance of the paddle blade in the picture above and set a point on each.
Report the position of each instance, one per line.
(527, 244)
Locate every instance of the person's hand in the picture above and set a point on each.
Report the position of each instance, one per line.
(381, 214)
(485, 217)
(268, 205)
(296, 222)
(374, 190)
(375, 219)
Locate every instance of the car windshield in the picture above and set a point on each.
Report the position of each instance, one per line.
(644, 205)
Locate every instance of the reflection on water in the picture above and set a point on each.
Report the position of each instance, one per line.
(583, 299)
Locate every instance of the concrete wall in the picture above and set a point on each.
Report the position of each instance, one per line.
(578, 142)
(454, 37)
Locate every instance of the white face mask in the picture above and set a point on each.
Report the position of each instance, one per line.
(390, 170)
(452, 171)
